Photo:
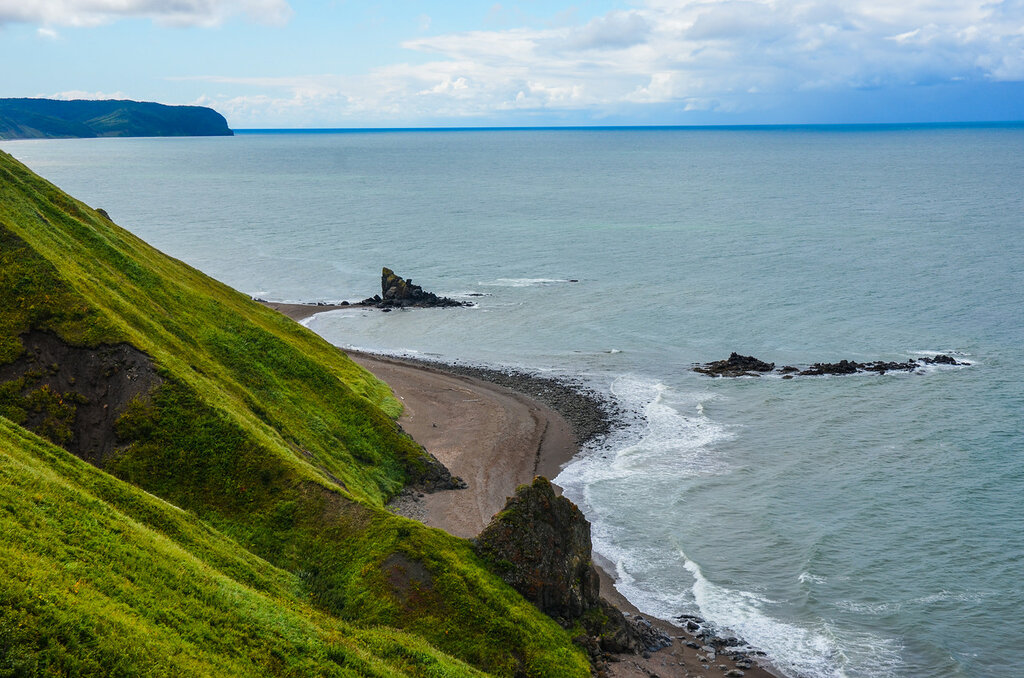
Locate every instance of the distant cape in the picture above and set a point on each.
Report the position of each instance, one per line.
(53, 119)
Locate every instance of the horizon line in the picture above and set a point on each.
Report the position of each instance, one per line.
(750, 126)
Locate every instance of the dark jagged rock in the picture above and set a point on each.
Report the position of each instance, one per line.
(748, 366)
(851, 367)
(940, 360)
(650, 637)
(540, 545)
(736, 366)
(398, 292)
(841, 367)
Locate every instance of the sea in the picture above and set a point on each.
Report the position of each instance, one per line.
(867, 526)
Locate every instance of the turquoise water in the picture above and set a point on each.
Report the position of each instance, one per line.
(854, 526)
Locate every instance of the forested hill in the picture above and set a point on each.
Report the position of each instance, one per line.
(52, 119)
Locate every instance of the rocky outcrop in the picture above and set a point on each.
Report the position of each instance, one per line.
(398, 292)
(736, 366)
(747, 366)
(540, 544)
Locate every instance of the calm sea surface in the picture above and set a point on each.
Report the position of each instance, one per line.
(852, 526)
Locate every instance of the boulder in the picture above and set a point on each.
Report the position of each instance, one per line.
(540, 545)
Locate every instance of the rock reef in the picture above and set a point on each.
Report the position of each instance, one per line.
(737, 365)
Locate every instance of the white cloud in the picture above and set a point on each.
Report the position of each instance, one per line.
(47, 33)
(166, 12)
(82, 94)
(699, 55)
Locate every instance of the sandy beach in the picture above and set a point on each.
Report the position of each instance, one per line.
(495, 439)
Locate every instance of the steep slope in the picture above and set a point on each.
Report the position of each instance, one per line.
(49, 118)
(100, 578)
(265, 432)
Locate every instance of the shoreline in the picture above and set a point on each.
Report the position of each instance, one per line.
(497, 429)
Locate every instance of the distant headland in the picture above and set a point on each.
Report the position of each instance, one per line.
(53, 119)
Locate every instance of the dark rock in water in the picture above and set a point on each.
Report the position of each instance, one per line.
(736, 366)
(882, 367)
(851, 367)
(398, 292)
(841, 367)
(940, 360)
(540, 544)
(747, 366)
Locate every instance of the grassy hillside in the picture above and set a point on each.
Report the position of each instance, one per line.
(281, 451)
(98, 577)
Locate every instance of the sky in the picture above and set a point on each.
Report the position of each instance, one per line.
(433, 63)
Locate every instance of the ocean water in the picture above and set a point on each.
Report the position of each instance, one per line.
(862, 526)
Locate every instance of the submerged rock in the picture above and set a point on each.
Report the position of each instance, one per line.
(399, 292)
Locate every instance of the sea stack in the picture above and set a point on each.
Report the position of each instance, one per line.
(399, 292)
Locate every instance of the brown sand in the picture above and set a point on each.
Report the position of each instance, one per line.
(496, 439)
(302, 311)
(493, 438)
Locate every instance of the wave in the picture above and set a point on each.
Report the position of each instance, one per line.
(525, 282)
(672, 439)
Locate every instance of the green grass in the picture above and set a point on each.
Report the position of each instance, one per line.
(281, 451)
(99, 578)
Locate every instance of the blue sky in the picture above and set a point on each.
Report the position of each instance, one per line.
(339, 63)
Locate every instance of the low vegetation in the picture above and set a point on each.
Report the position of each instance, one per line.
(237, 524)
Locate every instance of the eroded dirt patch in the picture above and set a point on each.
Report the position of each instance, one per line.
(73, 395)
(410, 581)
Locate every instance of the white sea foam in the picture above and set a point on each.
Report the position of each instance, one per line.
(467, 294)
(673, 439)
(523, 282)
(808, 578)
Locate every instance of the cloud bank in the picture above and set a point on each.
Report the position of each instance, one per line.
(711, 55)
(165, 12)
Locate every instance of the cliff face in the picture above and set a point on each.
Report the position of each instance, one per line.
(48, 118)
(540, 544)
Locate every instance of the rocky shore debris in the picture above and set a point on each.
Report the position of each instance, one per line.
(540, 545)
(399, 292)
(747, 366)
(712, 647)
